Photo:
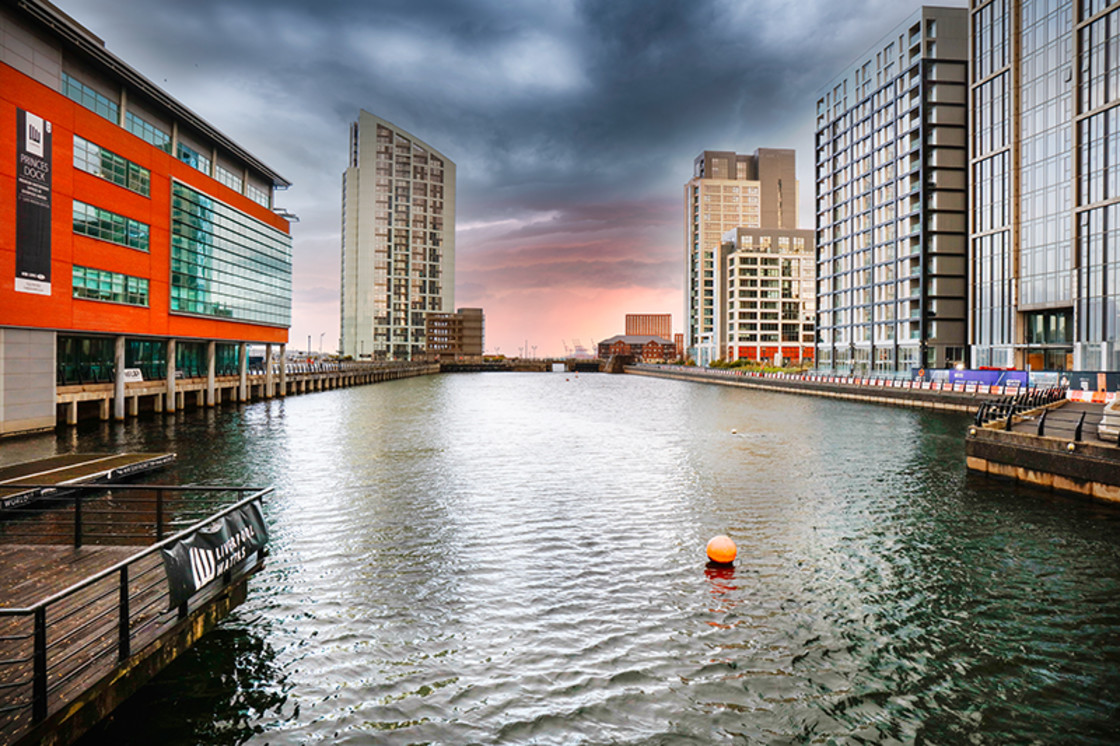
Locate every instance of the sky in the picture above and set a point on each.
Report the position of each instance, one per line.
(573, 125)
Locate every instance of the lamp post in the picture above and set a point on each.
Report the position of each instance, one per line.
(321, 341)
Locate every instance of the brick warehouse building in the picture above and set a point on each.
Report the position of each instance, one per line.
(134, 236)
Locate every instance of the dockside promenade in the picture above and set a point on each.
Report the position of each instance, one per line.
(121, 399)
(960, 397)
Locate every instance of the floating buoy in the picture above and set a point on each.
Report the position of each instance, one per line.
(721, 549)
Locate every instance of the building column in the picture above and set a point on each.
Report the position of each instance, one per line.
(283, 370)
(210, 350)
(118, 380)
(243, 372)
(268, 371)
(170, 393)
(72, 412)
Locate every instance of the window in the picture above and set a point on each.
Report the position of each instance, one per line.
(227, 177)
(96, 102)
(96, 160)
(193, 158)
(96, 284)
(108, 226)
(258, 195)
(147, 132)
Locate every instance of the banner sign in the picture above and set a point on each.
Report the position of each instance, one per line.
(33, 204)
(208, 553)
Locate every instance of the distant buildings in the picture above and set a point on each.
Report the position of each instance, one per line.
(656, 324)
(727, 191)
(138, 241)
(454, 335)
(644, 347)
(891, 181)
(398, 241)
(765, 296)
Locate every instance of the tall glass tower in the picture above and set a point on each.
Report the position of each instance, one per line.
(398, 240)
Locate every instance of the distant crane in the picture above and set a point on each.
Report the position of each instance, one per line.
(567, 351)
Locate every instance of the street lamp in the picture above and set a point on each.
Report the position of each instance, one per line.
(321, 341)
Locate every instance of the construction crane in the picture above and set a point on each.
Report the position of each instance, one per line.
(567, 351)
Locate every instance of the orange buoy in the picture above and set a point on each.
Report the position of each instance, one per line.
(721, 549)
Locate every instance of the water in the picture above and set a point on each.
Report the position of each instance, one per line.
(518, 558)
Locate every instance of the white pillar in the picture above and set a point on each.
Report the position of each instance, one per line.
(243, 372)
(210, 350)
(170, 399)
(118, 381)
(283, 370)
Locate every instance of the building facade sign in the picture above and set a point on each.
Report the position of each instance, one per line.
(33, 204)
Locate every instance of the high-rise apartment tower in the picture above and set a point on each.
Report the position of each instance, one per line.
(1045, 217)
(728, 191)
(398, 240)
(891, 201)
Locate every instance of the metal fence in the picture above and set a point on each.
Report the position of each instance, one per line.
(1039, 418)
(54, 649)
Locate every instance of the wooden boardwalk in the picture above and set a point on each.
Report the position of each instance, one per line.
(74, 468)
(82, 625)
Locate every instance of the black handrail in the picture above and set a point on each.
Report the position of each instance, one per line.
(66, 668)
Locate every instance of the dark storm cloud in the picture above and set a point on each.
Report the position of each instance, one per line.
(573, 123)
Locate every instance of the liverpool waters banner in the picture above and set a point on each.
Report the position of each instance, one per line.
(208, 553)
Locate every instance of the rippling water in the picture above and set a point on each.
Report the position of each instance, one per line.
(519, 558)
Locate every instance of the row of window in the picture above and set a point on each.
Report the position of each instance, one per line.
(98, 284)
(93, 359)
(96, 160)
(108, 226)
(155, 135)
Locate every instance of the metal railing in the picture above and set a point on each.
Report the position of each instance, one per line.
(1008, 407)
(1054, 423)
(52, 650)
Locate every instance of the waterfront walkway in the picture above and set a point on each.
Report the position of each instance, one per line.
(924, 394)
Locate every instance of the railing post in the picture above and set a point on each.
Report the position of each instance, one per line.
(1010, 415)
(123, 636)
(78, 520)
(159, 515)
(1077, 431)
(39, 668)
(1042, 423)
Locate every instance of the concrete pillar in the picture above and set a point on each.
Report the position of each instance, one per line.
(72, 412)
(170, 394)
(180, 400)
(158, 403)
(104, 407)
(243, 372)
(133, 406)
(211, 348)
(118, 381)
(283, 370)
(200, 398)
(268, 371)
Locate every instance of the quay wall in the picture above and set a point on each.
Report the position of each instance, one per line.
(1082, 468)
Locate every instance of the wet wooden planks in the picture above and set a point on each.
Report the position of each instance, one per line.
(73, 469)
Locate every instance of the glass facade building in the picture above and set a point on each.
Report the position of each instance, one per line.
(1045, 90)
(227, 264)
(891, 202)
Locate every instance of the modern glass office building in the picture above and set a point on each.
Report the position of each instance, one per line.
(891, 202)
(398, 240)
(1045, 223)
(137, 237)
